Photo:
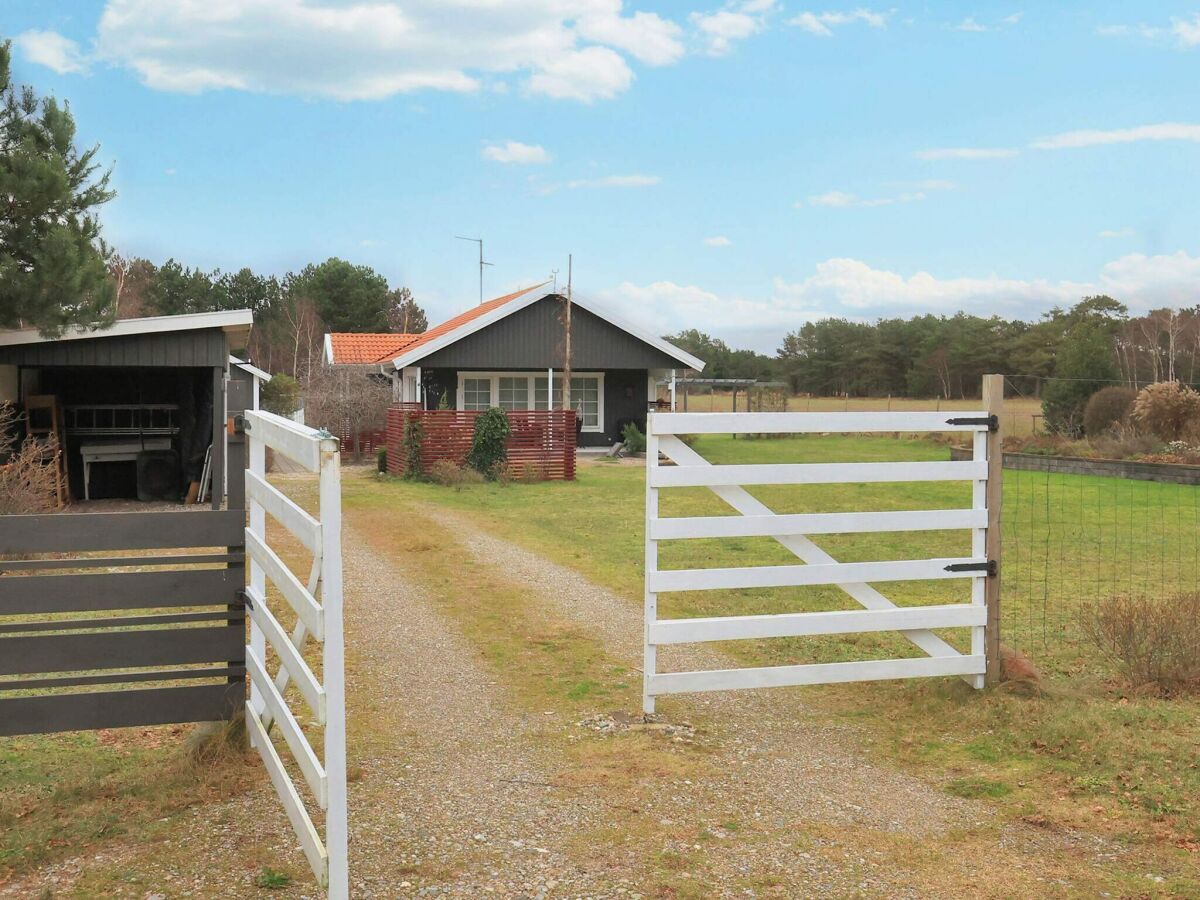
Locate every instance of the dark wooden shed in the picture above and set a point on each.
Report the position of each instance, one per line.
(131, 617)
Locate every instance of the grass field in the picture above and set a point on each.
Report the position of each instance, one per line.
(1081, 751)
(1022, 415)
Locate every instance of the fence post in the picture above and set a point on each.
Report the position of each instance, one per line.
(993, 402)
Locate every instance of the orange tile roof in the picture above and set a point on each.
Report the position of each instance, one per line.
(351, 349)
(362, 349)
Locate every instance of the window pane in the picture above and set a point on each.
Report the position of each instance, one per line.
(539, 393)
(477, 393)
(514, 393)
(585, 399)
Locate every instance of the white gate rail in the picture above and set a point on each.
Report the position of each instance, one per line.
(317, 605)
(690, 469)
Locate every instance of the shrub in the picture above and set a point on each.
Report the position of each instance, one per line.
(488, 453)
(635, 441)
(381, 459)
(1154, 641)
(280, 395)
(410, 444)
(1168, 409)
(448, 473)
(1107, 407)
(27, 474)
(526, 473)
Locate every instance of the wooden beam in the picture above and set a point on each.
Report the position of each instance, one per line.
(993, 401)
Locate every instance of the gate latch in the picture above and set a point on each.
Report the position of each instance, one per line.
(238, 424)
(989, 567)
(992, 422)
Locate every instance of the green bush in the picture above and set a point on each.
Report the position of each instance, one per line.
(488, 452)
(635, 441)
(411, 441)
(280, 395)
(1084, 364)
(1169, 410)
(381, 459)
(1107, 407)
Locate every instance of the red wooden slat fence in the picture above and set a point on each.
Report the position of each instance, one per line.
(369, 441)
(542, 441)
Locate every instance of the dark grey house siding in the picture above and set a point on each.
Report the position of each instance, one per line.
(202, 347)
(532, 338)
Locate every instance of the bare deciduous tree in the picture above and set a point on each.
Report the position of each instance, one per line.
(346, 400)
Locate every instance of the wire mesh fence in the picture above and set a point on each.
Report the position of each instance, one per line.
(1072, 540)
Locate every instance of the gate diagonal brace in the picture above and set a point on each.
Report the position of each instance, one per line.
(804, 548)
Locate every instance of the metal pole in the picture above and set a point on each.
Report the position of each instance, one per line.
(478, 241)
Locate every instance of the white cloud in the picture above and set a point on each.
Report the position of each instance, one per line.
(644, 36)
(822, 24)
(853, 289)
(717, 241)
(52, 50)
(735, 22)
(1187, 31)
(621, 181)
(843, 200)
(516, 152)
(965, 153)
(1117, 232)
(371, 49)
(969, 24)
(1166, 131)
(593, 73)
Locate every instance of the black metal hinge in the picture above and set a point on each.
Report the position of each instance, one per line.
(989, 567)
(244, 596)
(992, 422)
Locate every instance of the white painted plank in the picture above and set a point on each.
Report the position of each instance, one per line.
(310, 841)
(815, 473)
(818, 673)
(810, 422)
(650, 599)
(337, 835)
(742, 501)
(285, 511)
(851, 621)
(297, 442)
(816, 523)
(289, 585)
(290, 659)
(796, 576)
(303, 752)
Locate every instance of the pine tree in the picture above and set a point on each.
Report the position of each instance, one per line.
(53, 271)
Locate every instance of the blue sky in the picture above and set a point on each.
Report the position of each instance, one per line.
(741, 168)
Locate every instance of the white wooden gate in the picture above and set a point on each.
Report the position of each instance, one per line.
(317, 605)
(690, 469)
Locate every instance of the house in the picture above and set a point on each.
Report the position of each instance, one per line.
(139, 408)
(509, 352)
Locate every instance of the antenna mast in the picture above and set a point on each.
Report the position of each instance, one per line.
(478, 241)
(566, 391)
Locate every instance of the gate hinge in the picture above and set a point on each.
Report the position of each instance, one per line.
(989, 567)
(992, 422)
(240, 425)
(244, 596)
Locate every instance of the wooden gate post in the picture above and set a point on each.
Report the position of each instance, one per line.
(993, 402)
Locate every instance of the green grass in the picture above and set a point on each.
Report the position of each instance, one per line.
(1083, 744)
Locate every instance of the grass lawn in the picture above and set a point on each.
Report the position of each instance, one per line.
(1084, 752)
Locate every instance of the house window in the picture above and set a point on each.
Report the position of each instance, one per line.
(477, 393)
(514, 392)
(525, 390)
(585, 397)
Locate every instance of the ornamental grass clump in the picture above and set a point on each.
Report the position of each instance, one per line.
(488, 448)
(1169, 410)
(1154, 641)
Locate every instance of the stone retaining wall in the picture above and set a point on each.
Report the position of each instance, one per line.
(1109, 468)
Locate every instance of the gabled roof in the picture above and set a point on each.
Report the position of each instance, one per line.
(485, 314)
(345, 348)
(233, 322)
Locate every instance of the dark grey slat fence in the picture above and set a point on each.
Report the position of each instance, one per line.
(203, 566)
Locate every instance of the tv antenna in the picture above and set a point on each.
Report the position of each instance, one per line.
(478, 241)
(554, 275)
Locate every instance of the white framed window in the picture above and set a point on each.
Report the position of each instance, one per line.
(529, 390)
(476, 393)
